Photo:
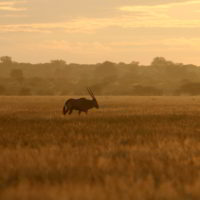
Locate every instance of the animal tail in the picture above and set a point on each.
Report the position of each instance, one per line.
(65, 108)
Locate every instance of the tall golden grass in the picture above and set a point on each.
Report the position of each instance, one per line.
(131, 148)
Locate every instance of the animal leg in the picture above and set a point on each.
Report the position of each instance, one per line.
(70, 112)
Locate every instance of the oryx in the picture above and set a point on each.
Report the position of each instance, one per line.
(82, 104)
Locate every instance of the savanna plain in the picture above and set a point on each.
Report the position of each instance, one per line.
(141, 148)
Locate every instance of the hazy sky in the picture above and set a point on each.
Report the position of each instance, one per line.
(90, 31)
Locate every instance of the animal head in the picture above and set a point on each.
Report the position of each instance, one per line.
(96, 105)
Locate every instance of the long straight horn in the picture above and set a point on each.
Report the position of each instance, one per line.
(92, 94)
(89, 91)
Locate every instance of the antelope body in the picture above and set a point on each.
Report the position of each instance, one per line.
(82, 104)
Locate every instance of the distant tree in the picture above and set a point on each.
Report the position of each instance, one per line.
(189, 88)
(161, 62)
(58, 62)
(131, 75)
(60, 69)
(135, 63)
(6, 60)
(17, 74)
(105, 70)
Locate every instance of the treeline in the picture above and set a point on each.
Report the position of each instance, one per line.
(161, 77)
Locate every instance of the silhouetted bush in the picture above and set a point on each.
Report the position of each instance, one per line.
(189, 89)
(25, 91)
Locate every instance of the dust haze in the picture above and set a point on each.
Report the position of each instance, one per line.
(99, 100)
(57, 77)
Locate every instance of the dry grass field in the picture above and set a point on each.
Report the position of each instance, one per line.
(137, 148)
